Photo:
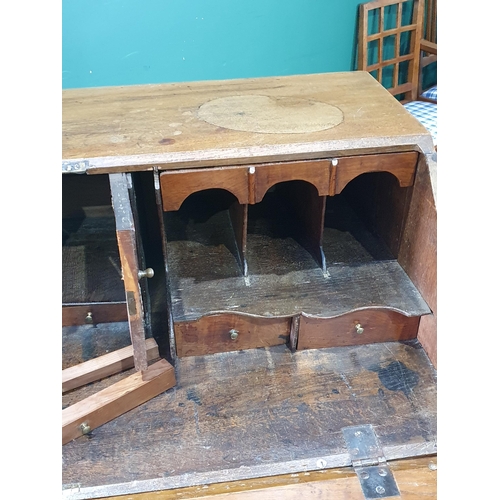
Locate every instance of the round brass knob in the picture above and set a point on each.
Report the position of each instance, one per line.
(85, 428)
(359, 328)
(89, 319)
(234, 334)
(147, 273)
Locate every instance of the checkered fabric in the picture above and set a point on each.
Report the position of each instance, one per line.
(431, 93)
(426, 114)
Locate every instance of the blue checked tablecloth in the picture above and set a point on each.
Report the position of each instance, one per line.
(431, 93)
(426, 114)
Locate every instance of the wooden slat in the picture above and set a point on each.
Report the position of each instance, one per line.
(104, 366)
(390, 62)
(125, 233)
(428, 46)
(415, 477)
(393, 31)
(116, 399)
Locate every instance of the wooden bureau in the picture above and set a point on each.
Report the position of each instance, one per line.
(287, 210)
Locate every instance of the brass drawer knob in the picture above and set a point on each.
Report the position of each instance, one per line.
(234, 334)
(85, 428)
(148, 273)
(359, 328)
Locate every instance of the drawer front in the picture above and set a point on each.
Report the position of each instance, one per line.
(177, 185)
(360, 327)
(229, 332)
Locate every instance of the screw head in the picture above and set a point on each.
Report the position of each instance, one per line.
(234, 334)
(364, 475)
(380, 490)
(382, 472)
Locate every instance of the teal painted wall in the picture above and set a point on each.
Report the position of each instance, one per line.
(126, 42)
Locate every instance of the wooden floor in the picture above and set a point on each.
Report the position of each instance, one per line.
(249, 414)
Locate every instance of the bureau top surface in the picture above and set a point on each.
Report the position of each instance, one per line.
(217, 123)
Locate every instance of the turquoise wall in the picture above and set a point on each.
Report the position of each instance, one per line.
(126, 42)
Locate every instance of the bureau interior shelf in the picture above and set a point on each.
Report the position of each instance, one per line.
(90, 256)
(284, 276)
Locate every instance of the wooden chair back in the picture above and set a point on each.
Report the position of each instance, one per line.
(428, 45)
(390, 32)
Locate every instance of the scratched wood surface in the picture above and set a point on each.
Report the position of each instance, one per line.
(416, 479)
(256, 413)
(284, 278)
(138, 127)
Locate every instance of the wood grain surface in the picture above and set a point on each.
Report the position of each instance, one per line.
(127, 245)
(418, 254)
(365, 326)
(139, 127)
(416, 479)
(212, 333)
(116, 399)
(257, 413)
(104, 366)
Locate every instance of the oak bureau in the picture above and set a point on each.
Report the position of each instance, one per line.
(295, 211)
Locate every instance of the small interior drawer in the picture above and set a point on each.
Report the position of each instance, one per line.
(366, 326)
(229, 332)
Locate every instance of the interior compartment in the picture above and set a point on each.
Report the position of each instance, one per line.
(201, 237)
(363, 223)
(303, 253)
(91, 269)
(281, 230)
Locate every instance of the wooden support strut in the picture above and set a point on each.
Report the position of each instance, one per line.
(94, 411)
(125, 233)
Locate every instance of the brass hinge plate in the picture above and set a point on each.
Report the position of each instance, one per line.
(369, 463)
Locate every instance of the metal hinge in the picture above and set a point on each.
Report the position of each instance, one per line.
(369, 463)
(75, 167)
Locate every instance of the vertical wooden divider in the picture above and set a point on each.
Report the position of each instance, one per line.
(239, 220)
(159, 206)
(309, 208)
